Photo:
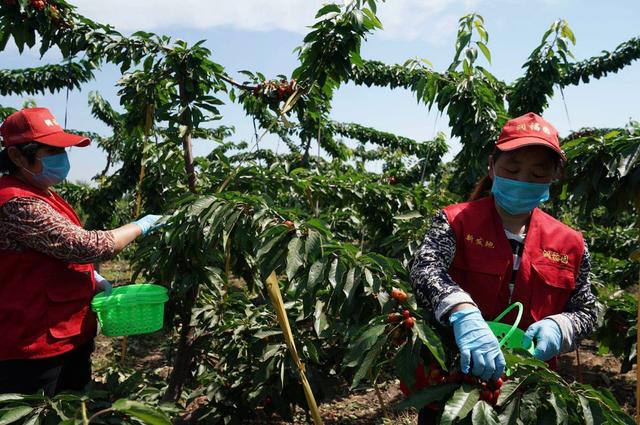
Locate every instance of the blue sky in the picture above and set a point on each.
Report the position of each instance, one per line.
(261, 35)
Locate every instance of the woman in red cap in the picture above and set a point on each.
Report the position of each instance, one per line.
(47, 278)
(480, 256)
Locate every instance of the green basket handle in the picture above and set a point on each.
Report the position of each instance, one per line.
(515, 324)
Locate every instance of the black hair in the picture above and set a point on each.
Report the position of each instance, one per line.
(28, 150)
(483, 187)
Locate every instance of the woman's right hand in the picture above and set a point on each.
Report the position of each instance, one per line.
(126, 234)
(147, 223)
(476, 342)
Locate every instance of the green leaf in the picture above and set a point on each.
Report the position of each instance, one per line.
(271, 350)
(14, 414)
(372, 5)
(320, 322)
(295, 257)
(586, 410)
(316, 273)
(460, 404)
(368, 362)
(510, 412)
(566, 32)
(141, 411)
(363, 344)
(406, 361)
(408, 216)
(483, 414)
(352, 282)
(559, 407)
(312, 247)
(485, 50)
(426, 396)
(11, 397)
(330, 8)
(336, 273)
(508, 389)
(431, 340)
(268, 246)
(466, 66)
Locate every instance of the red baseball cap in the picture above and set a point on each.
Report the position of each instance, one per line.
(526, 130)
(37, 125)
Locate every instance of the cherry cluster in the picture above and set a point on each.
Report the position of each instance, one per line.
(489, 390)
(434, 375)
(275, 89)
(402, 315)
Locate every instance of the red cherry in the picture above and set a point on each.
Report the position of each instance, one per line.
(486, 395)
(497, 384)
(399, 294)
(406, 314)
(408, 323)
(289, 223)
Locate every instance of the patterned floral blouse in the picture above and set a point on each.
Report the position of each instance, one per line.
(32, 223)
(436, 290)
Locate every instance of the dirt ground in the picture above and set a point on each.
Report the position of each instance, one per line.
(362, 407)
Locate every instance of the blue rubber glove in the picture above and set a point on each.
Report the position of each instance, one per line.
(102, 284)
(476, 342)
(147, 223)
(548, 338)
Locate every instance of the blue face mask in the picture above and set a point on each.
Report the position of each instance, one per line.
(517, 197)
(55, 168)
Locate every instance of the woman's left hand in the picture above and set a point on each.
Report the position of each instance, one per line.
(548, 338)
(103, 284)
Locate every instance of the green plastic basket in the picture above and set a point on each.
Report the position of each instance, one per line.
(131, 309)
(509, 335)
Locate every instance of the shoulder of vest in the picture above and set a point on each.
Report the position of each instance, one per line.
(558, 226)
(11, 188)
(469, 207)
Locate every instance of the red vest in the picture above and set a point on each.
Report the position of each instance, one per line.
(44, 302)
(483, 262)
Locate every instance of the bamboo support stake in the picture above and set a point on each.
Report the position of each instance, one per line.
(273, 288)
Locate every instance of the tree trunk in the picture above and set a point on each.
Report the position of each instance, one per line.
(186, 140)
(184, 355)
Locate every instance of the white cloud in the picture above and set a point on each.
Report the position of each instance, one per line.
(255, 15)
(429, 20)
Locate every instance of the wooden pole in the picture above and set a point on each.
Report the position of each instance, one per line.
(273, 288)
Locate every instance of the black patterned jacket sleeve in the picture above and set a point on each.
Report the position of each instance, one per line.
(580, 313)
(434, 288)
